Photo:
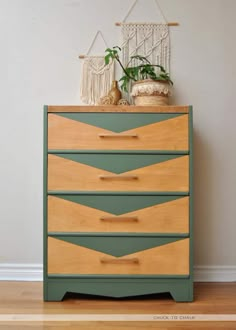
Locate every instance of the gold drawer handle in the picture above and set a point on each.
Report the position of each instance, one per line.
(105, 260)
(118, 135)
(118, 177)
(119, 218)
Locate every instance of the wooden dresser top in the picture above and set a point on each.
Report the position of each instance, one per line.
(115, 108)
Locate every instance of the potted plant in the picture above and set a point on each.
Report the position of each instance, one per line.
(151, 84)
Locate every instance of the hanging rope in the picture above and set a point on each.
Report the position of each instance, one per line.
(135, 3)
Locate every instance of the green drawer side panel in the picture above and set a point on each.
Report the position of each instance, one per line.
(118, 163)
(191, 204)
(118, 205)
(118, 122)
(117, 246)
(180, 289)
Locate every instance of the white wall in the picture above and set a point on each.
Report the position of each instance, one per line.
(40, 44)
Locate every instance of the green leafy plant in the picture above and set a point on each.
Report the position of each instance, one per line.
(145, 70)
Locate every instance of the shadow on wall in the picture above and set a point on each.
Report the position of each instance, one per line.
(203, 200)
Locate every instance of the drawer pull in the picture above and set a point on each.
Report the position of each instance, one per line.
(118, 135)
(119, 261)
(118, 177)
(119, 218)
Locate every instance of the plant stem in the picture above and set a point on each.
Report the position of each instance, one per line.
(118, 60)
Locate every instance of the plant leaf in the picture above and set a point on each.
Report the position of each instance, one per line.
(116, 47)
(141, 58)
(107, 59)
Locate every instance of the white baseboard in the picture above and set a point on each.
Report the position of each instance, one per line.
(215, 274)
(34, 272)
(21, 272)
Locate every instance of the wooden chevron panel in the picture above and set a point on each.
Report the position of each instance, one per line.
(116, 245)
(171, 134)
(172, 175)
(169, 217)
(168, 259)
(118, 122)
(117, 163)
(118, 204)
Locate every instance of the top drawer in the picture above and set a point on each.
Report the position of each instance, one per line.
(118, 131)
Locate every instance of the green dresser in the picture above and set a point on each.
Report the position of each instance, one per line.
(118, 215)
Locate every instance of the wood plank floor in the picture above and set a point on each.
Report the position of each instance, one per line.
(26, 298)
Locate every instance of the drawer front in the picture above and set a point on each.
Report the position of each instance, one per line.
(165, 173)
(118, 131)
(166, 259)
(109, 213)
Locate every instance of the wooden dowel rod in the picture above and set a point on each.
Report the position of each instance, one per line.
(173, 24)
(169, 24)
(84, 56)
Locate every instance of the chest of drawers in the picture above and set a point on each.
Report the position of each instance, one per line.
(118, 201)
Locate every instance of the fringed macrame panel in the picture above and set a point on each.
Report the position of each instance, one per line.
(149, 40)
(96, 79)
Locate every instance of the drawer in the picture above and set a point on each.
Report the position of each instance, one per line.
(118, 131)
(159, 256)
(118, 172)
(118, 213)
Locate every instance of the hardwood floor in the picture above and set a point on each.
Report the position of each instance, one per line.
(26, 298)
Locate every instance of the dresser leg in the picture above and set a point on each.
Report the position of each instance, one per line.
(54, 294)
(182, 293)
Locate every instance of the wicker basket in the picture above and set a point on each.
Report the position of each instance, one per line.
(150, 92)
(151, 100)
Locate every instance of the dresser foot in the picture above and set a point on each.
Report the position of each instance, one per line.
(182, 294)
(55, 295)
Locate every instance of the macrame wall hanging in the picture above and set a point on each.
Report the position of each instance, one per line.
(147, 39)
(96, 77)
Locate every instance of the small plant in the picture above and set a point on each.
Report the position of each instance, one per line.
(145, 70)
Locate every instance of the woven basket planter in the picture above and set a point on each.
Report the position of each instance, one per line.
(151, 92)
